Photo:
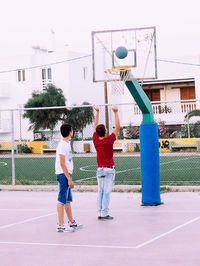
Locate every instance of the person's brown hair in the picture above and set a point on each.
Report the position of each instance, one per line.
(101, 130)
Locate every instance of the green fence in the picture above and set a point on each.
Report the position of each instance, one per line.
(22, 163)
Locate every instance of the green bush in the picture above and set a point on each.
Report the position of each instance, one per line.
(137, 148)
(23, 148)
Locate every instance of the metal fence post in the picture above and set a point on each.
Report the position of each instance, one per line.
(13, 147)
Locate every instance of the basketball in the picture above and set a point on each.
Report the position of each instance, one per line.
(121, 52)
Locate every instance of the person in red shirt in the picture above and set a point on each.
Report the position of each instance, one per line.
(106, 171)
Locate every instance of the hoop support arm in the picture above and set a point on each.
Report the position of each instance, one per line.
(142, 100)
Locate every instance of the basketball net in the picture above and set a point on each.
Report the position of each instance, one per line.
(117, 77)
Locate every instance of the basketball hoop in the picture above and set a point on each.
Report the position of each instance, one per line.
(117, 77)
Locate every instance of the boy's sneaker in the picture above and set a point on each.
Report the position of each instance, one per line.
(107, 217)
(75, 225)
(63, 228)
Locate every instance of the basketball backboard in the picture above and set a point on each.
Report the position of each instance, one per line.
(141, 58)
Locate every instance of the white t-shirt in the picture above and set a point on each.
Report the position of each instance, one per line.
(64, 148)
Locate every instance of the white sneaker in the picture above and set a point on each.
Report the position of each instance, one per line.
(63, 228)
(75, 225)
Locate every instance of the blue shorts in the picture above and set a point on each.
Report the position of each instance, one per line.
(65, 193)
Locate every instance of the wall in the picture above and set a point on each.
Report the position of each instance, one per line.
(129, 146)
(172, 94)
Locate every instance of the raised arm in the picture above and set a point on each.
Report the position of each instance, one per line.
(117, 123)
(96, 119)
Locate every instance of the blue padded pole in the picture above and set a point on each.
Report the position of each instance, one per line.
(150, 165)
(149, 149)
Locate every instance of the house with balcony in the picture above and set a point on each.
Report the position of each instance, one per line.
(172, 100)
(173, 94)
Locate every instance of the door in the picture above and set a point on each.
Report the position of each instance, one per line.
(154, 96)
(188, 93)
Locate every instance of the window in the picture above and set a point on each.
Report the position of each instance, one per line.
(43, 74)
(49, 73)
(153, 95)
(21, 75)
(187, 93)
(46, 76)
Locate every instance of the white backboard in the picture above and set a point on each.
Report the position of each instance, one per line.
(141, 58)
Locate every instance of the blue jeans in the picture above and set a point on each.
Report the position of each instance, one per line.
(105, 178)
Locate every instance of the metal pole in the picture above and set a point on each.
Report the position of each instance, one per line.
(106, 106)
(188, 126)
(20, 125)
(13, 148)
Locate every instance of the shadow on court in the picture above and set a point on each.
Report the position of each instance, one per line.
(163, 235)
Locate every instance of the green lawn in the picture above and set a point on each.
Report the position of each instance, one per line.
(174, 170)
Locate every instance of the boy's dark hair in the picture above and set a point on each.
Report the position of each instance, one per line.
(65, 129)
(101, 130)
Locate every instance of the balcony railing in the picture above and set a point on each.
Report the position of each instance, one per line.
(45, 82)
(183, 106)
(171, 111)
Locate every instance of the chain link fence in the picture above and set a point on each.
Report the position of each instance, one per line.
(27, 155)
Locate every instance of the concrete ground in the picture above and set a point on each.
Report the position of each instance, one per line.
(163, 235)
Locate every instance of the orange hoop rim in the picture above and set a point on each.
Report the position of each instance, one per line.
(117, 70)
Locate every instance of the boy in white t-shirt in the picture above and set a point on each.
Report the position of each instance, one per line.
(64, 170)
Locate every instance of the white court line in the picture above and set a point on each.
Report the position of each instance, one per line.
(117, 172)
(85, 170)
(27, 220)
(168, 232)
(3, 164)
(116, 211)
(126, 170)
(182, 168)
(104, 246)
(178, 160)
(24, 210)
(68, 245)
(83, 179)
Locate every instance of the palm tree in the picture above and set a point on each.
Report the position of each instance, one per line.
(190, 115)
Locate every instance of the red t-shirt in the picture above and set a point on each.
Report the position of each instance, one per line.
(104, 149)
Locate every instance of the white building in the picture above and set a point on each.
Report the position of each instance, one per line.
(72, 72)
(22, 75)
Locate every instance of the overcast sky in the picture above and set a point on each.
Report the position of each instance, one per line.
(25, 23)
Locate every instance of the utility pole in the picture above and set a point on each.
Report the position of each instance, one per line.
(106, 106)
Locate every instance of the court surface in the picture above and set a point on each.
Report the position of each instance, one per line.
(163, 235)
